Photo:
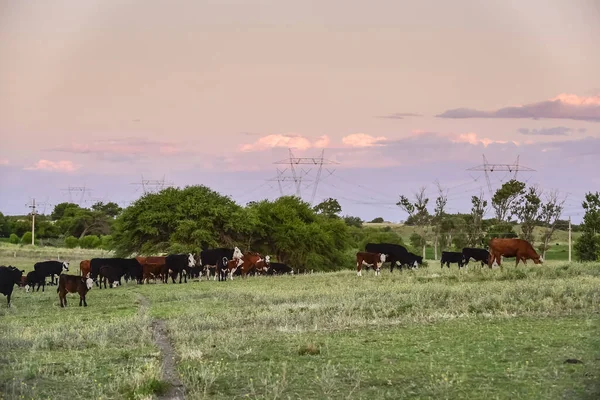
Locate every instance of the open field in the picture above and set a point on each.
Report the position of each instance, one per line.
(430, 333)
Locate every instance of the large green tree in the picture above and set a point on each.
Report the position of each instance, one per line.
(73, 220)
(176, 220)
(329, 208)
(505, 198)
(587, 247)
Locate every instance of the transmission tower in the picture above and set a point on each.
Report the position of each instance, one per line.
(297, 176)
(77, 189)
(488, 168)
(153, 185)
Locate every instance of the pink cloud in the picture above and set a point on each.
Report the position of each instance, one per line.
(563, 106)
(362, 140)
(291, 141)
(4, 161)
(47, 165)
(121, 147)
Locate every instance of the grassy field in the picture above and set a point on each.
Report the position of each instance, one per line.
(431, 333)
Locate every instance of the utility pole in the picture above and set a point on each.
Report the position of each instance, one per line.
(33, 212)
(569, 239)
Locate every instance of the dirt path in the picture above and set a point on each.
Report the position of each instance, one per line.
(168, 368)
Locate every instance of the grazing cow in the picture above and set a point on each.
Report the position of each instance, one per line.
(152, 267)
(73, 284)
(369, 260)
(33, 278)
(393, 253)
(279, 269)
(9, 277)
(481, 255)
(521, 249)
(177, 264)
(130, 266)
(451, 257)
(84, 267)
(217, 260)
(51, 268)
(111, 274)
(410, 260)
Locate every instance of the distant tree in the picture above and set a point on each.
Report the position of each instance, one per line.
(14, 239)
(109, 209)
(587, 247)
(460, 241)
(504, 199)
(475, 229)
(504, 230)
(5, 228)
(26, 239)
(438, 218)
(329, 208)
(527, 210)
(374, 235)
(418, 210)
(417, 241)
(550, 213)
(353, 221)
(71, 219)
(377, 220)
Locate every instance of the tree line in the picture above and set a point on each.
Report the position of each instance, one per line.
(289, 229)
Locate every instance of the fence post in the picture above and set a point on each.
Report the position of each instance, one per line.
(569, 239)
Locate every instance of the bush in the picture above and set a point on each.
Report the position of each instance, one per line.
(26, 239)
(377, 220)
(107, 242)
(71, 242)
(90, 242)
(14, 239)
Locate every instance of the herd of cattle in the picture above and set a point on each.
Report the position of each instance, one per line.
(223, 263)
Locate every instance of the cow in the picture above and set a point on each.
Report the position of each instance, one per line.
(481, 255)
(9, 277)
(73, 284)
(111, 274)
(393, 252)
(276, 268)
(84, 268)
(152, 267)
(51, 268)
(253, 262)
(33, 278)
(369, 260)
(451, 257)
(410, 260)
(177, 264)
(521, 249)
(130, 266)
(217, 260)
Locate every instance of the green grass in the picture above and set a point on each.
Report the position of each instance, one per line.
(432, 333)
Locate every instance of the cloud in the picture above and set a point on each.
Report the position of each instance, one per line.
(59, 166)
(3, 161)
(563, 106)
(399, 115)
(362, 140)
(555, 131)
(121, 149)
(291, 141)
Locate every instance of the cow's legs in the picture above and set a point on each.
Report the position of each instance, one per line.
(8, 299)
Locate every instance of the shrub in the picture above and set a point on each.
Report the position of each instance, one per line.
(71, 242)
(26, 239)
(90, 242)
(377, 220)
(107, 242)
(14, 239)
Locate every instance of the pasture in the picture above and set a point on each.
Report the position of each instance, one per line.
(429, 333)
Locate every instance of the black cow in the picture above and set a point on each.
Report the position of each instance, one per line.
(481, 255)
(33, 278)
(51, 268)
(451, 257)
(178, 264)
(216, 259)
(393, 252)
(130, 267)
(9, 277)
(276, 268)
(111, 274)
(411, 260)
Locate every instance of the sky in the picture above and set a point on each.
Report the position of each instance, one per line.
(396, 95)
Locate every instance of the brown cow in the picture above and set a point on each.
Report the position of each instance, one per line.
(372, 260)
(84, 268)
(152, 267)
(73, 284)
(518, 248)
(250, 261)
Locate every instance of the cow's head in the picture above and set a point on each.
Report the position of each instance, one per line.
(237, 253)
(27, 288)
(89, 283)
(538, 260)
(65, 266)
(191, 260)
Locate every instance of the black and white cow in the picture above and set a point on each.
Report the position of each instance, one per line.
(410, 260)
(451, 257)
(129, 266)
(35, 278)
(216, 260)
(51, 268)
(481, 255)
(393, 253)
(178, 264)
(9, 277)
(276, 268)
